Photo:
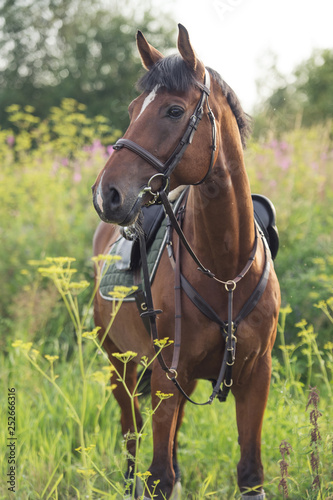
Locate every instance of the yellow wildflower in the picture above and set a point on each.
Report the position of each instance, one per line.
(163, 342)
(109, 368)
(143, 475)
(61, 260)
(321, 304)
(106, 258)
(51, 359)
(89, 448)
(93, 334)
(25, 346)
(163, 395)
(17, 343)
(100, 377)
(286, 310)
(86, 472)
(125, 357)
(301, 324)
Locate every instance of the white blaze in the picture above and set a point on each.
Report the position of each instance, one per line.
(99, 198)
(148, 100)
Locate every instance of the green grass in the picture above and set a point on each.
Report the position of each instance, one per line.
(46, 210)
(208, 450)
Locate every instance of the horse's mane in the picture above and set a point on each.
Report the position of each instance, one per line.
(173, 73)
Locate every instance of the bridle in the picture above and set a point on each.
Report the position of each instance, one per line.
(160, 196)
(165, 169)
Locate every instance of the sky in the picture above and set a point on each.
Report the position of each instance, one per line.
(238, 37)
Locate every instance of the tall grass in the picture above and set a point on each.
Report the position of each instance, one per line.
(47, 170)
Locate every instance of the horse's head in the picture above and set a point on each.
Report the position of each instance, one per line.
(153, 152)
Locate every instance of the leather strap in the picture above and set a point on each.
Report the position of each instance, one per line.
(249, 305)
(186, 244)
(168, 167)
(140, 151)
(178, 313)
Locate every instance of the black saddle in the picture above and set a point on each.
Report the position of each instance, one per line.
(152, 217)
(264, 214)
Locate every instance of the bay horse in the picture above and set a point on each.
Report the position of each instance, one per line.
(218, 224)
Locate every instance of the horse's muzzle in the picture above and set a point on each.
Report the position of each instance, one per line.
(113, 208)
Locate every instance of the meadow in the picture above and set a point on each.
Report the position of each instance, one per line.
(54, 378)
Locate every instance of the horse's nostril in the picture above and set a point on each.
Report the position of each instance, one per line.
(114, 198)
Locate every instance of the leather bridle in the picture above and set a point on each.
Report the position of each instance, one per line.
(165, 169)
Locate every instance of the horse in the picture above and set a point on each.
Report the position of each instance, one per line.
(188, 125)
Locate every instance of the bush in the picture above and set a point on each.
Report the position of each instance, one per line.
(47, 169)
(294, 172)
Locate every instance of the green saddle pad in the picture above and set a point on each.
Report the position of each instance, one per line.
(119, 272)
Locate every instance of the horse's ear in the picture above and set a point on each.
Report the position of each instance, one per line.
(186, 51)
(149, 55)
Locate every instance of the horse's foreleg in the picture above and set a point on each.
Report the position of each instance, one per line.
(165, 425)
(251, 398)
(189, 391)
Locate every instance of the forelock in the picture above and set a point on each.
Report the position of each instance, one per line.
(171, 72)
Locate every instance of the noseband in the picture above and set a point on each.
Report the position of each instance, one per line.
(165, 169)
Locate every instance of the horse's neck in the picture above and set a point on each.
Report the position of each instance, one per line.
(222, 216)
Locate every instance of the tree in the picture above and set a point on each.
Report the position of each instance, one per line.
(83, 49)
(314, 83)
(305, 98)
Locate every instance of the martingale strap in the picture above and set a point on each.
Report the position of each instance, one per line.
(228, 328)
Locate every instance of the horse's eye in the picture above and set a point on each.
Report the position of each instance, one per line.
(175, 112)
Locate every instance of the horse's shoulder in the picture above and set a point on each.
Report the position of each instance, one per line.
(104, 237)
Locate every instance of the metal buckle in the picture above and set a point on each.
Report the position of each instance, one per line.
(171, 370)
(231, 284)
(155, 195)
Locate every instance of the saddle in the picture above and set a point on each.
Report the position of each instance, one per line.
(264, 214)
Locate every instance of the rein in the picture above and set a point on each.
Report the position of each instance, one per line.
(228, 328)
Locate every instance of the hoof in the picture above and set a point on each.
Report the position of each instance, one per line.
(259, 496)
(175, 495)
(177, 491)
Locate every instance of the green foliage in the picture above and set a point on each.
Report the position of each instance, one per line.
(294, 172)
(83, 49)
(304, 98)
(47, 169)
(49, 444)
(314, 82)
